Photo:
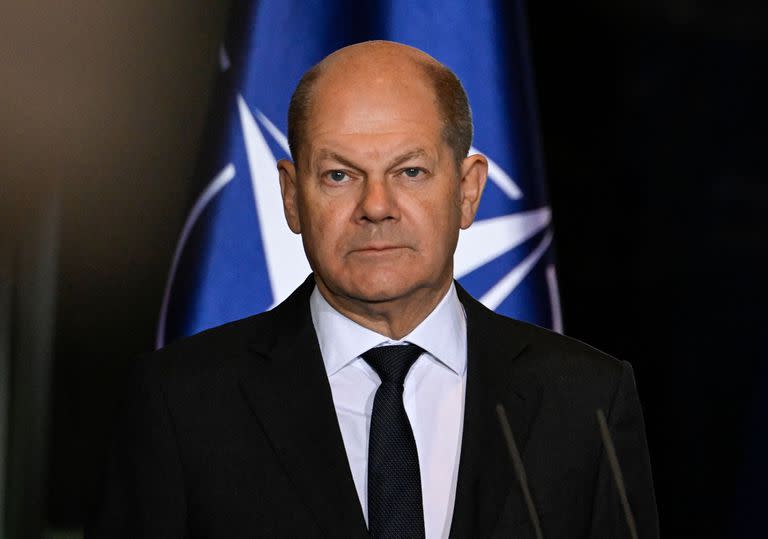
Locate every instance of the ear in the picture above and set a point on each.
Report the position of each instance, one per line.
(288, 188)
(474, 172)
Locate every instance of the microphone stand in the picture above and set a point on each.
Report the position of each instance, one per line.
(517, 464)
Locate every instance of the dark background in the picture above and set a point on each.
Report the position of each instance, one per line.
(654, 136)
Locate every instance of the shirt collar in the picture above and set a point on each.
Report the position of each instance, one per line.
(442, 334)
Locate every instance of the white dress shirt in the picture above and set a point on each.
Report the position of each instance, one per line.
(433, 397)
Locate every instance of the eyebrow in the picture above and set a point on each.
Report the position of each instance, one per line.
(331, 155)
(399, 160)
(418, 152)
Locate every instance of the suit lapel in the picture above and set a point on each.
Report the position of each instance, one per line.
(486, 481)
(287, 389)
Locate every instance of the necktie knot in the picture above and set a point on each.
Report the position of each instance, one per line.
(392, 363)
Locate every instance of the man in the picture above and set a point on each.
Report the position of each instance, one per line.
(366, 401)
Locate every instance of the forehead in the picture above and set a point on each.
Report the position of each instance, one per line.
(365, 103)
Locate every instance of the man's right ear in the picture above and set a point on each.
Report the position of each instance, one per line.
(287, 171)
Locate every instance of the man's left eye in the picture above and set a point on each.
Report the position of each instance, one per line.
(412, 172)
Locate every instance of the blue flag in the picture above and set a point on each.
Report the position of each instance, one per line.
(236, 256)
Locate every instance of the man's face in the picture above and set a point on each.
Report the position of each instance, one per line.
(377, 196)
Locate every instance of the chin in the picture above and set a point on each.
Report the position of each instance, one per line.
(380, 286)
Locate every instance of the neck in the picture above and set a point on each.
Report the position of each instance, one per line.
(394, 318)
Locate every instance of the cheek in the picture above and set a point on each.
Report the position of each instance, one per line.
(445, 212)
(447, 222)
(438, 228)
(322, 228)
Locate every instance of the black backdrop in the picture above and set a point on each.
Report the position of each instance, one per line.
(654, 141)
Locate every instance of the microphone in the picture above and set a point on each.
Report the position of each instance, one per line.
(610, 452)
(517, 464)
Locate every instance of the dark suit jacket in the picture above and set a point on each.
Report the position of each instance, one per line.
(232, 433)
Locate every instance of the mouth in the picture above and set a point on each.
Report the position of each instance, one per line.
(377, 248)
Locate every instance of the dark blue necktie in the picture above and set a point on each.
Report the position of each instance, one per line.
(394, 484)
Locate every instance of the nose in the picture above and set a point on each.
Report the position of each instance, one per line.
(378, 202)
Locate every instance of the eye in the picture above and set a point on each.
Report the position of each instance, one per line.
(412, 172)
(337, 175)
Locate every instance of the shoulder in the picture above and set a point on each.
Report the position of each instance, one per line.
(555, 350)
(217, 357)
(538, 357)
(194, 364)
(215, 343)
(565, 368)
(225, 346)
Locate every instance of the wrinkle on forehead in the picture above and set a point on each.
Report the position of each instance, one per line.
(325, 154)
(371, 88)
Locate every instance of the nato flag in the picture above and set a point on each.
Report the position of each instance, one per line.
(236, 256)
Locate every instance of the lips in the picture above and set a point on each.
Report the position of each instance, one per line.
(377, 248)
